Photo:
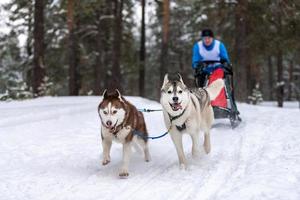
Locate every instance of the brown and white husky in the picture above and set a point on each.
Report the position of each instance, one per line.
(120, 119)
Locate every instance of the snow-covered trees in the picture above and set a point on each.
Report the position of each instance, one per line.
(102, 44)
(12, 81)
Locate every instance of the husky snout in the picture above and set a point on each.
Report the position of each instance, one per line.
(175, 99)
(109, 123)
(175, 105)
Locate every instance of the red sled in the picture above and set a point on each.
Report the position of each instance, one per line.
(220, 100)
(224, 105)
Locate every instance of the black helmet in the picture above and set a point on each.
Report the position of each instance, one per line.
(207, 33)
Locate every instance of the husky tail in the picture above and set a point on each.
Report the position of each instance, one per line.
(215, 88)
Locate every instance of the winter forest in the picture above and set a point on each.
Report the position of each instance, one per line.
(70, 48)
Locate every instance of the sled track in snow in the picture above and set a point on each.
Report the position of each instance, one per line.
(245, 147)
(214, 173)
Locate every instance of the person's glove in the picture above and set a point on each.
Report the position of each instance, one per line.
(199, 68)
(197, 71)
(200, 65)
(227, 68)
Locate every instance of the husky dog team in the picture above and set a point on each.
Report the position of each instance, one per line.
(185, 110)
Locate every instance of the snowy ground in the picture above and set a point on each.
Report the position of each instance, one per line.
(50, 149)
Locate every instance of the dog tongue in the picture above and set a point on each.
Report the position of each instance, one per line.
(177, 106)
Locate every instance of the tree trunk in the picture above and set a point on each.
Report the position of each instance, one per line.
(165, 40)
(117, 45)
(183, 68)
(106, 41)
(251, 76)
(29, 49)
(270, 80)
(72, 52)
(29, 38)
(291, 71)
(280, 83)
(142, 53)
(98, 67)
(241, 50)
(38, 34)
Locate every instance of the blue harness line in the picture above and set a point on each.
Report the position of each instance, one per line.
(149, 110)
(140, 134)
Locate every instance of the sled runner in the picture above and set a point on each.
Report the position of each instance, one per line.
(224, 105)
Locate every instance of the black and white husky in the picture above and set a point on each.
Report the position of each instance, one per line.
(188, 111)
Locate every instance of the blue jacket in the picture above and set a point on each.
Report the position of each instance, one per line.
(215, 51)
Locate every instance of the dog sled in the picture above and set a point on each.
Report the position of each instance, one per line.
(224, 105)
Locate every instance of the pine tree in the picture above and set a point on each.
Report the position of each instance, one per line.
(256, 96)
(12, 83)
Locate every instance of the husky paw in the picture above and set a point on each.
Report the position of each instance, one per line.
(207, 149)
(123, 173)
(147, 158)
(183, 166)
(105, 161)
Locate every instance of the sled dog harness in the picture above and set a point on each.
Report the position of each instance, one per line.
(137, 132)
(140, 134)
(180, 128)
(172, 118)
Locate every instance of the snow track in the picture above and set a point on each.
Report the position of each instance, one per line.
(50, 148)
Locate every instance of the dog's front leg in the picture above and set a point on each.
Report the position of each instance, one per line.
(195, 144)
(206, 144)
(177, 139)
(126, 157)
(106, 145)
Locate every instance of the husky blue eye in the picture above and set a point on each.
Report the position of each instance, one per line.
(105, 112)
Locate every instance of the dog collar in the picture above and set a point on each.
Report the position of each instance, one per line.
(183, 126)
(172, 118)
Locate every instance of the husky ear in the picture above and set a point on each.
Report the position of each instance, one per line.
(118, 93)
(166, 80)
(180, 78)
(104, 94)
